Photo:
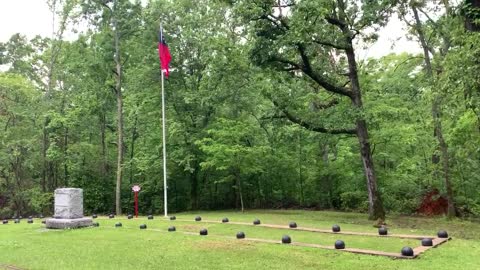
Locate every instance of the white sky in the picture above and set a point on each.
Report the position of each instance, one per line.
(29, 17)
(33, 17)
(392, 38)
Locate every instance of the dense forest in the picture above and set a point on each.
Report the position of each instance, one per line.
(268, 106)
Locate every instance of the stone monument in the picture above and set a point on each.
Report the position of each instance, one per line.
(68, 210)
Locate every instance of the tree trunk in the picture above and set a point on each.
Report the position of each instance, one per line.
(118, 208)
(45, 141)
(375, 204)
(194, 188)
(118, 90)
(436, 115)
(65, 155)
(47, 172)
(445, 157)
(238, 183)
(104, 146)
(43, 182)
(300, 164)
(132, 147)
(470, 18)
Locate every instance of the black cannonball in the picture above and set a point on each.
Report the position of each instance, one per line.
(5, 221)
(119, 224)
(96, 224)
(130, 216)
(225, 220)
(143, 226)
(382, 231)
(150, 217)
(427, 242)
(30, 220)
(240, 235)
(172, 229)
(17, 220)
(94, 216)
(111, 216)
(203, 232)
(292, 225)
(335, 228)
(44, 222)
(173, 218)
(339, 244)
(407, 251)
(198, 218)
(256, 221)
(442, 234)
(286, 239)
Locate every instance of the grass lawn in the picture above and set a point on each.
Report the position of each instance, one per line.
(30, 246)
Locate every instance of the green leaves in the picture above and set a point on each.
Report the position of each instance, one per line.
(231, 63)
(233, 145)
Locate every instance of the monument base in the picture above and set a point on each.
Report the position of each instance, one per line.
(57, 223)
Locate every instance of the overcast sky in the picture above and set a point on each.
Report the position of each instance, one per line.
(33, 17)
(29, 17)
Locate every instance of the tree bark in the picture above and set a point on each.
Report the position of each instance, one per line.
(470, 23)
(118, 208)
(438, 133)
(118, 90)
(194, 188)
(43, 182)
(238, 183)
(375, 204)
(132, 147)
(47, 171)
(65, 155)
(300, 164)
(104, 145)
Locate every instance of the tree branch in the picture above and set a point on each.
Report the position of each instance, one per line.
(104, 4)
(336, 22)
(288, 62)
(320, 79)
(291, 69)
(329, 44)
(309, 126)
(323, 106)
(277, 21)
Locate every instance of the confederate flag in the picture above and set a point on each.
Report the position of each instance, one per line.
(163, 53)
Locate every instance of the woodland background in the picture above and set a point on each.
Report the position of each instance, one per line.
(261, 110)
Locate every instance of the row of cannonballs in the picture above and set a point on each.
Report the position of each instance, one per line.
(17, 219)
(130, 216)
(286, 239)
(339, 244)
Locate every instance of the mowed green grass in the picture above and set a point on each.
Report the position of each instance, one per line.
(30, 246)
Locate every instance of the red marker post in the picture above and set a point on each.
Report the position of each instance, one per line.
(136, 189)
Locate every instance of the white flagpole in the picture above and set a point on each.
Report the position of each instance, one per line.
(165, 187)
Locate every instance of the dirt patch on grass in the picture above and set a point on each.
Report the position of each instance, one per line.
(9, 267)
(222, 245)
(191, 228)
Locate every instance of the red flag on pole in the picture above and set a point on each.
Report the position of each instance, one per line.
(164, 53)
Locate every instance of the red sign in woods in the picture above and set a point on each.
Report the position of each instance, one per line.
(136, 189)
